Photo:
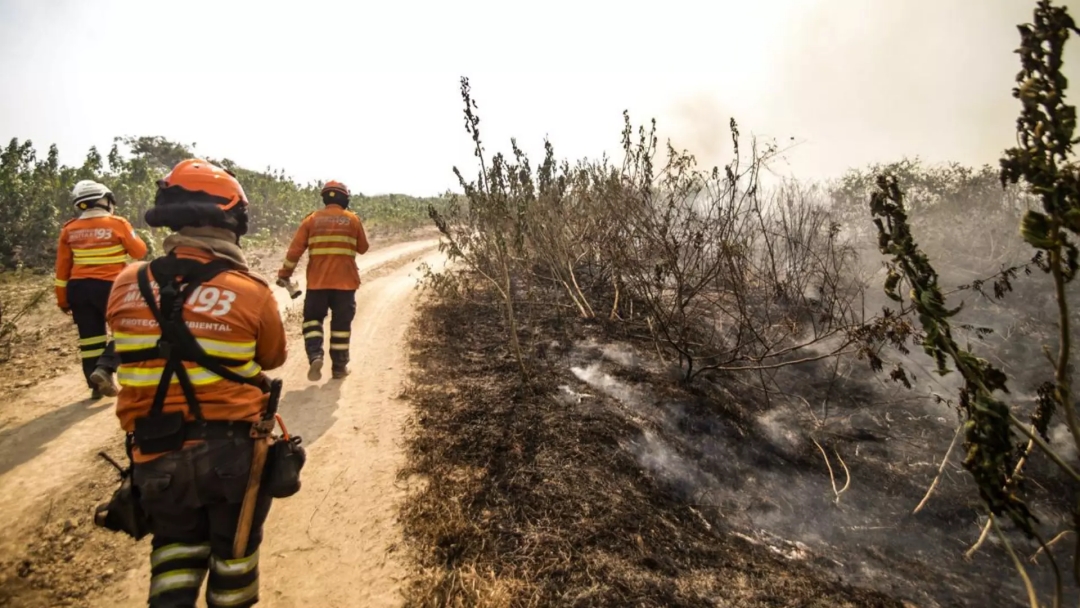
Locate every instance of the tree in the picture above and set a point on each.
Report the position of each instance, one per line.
(34, 195)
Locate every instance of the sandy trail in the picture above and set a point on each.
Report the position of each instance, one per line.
(330, 545)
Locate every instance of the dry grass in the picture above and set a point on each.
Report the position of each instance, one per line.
(37, 341)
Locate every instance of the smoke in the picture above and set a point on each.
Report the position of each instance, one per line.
(1062, 441)
(622, 355)
(701, 125)
(849, 82)
(781, 427)
(605, 383)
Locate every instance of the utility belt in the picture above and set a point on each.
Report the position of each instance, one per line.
(192, 430)
(161, 432)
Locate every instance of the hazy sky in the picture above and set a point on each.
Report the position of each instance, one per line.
(367, 92)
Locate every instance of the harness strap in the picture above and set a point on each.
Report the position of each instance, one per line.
(177, 280)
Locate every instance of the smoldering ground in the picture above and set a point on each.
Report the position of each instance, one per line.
(757, 467)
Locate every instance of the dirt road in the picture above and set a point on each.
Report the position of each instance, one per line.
(333, 544)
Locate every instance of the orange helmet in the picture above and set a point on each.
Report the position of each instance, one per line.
(196, 175)
(337, 193)
(197, 193)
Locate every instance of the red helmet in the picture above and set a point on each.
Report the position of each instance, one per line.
(337, 193)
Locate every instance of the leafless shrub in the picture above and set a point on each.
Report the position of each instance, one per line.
(723, 274)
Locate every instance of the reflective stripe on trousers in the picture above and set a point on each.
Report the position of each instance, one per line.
(92, 347)
(341, 305)
(192, 498)
(89, 299)
(177, 571)
(233, 582)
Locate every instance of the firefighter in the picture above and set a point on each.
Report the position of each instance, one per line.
(332, 236)
(92, 250)
(194, 330)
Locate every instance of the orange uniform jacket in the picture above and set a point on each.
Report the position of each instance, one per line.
(333, 236)
(94, 246)
(233, 316)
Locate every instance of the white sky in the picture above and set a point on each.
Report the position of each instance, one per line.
(367, 92)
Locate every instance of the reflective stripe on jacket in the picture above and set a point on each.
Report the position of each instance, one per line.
(233, 316)
(333, 237)
(96, 245)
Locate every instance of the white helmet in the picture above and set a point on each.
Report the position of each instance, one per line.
(87, 193)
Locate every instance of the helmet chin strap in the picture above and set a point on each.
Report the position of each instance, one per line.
(106, 203)
(102, 203)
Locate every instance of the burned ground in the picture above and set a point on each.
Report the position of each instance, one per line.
(572, 491)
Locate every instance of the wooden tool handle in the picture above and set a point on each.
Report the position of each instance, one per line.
(251, 494)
